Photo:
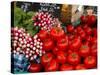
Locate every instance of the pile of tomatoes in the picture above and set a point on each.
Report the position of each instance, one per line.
(75, 49)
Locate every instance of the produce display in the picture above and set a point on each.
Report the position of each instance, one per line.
(41, 42)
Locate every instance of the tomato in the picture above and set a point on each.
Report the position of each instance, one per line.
(86, 43)
(62, 44)
(84, 50)
(94, 40)
(88, 38)
(94, 50)
(65, 67)
(69, 51)
(88, 31)
(34, 67)
(90, 62)
(91, 20)
(52, 66)
(82, 34)
(73, 58)
(79, 28)
(55, 50)
(57, 33)
(80, 67)
(85, 26)
(42, 34)
(70, 36)
(70, 28)
(75, 31)
(75, 44)
(94, 31)
(46, 58)
(83, 19)
(48, 44)
(61, 57)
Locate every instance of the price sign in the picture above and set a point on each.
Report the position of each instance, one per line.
(55, 9)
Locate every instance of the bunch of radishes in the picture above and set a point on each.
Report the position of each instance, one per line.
(24, 43)
(45, 21)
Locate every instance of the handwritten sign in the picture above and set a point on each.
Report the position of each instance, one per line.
(49, 7)
(55, 9)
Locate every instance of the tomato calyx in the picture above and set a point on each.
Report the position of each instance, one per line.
(84, 47)
(89, 59)
(46, 57)
(74, 55)
(58, 30)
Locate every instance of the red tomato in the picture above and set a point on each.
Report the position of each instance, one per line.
(62, 44)
(91, 20)
(61, 57)
(79, 28)
(52, 66)
(46, 58)
(57, 33)
(82, 34)
(84, 50)
(75, 44)
(86, 43)
(70, 36)
(80, 67)
(85, 26)
(69, 51)
(74, 32)
(42, 34)
(90, 62)
(73, 58)
(88, 38)
(70, 28)
(83, 19)
(88, 31)
(65, 67)
(34, 67)
(94, 40)
(94, 31)
(94, 50)
(48, 44)
(55, 50)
